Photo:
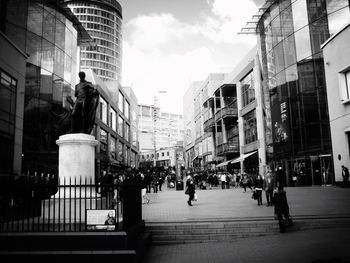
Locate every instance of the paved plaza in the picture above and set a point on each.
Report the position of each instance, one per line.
(320, 245)
(171, 205)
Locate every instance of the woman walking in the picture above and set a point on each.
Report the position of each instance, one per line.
(258, 187)
(190, 190)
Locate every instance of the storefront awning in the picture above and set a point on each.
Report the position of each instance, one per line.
(224, 163)
(242, 157)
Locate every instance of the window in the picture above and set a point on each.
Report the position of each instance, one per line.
(103, 140)
(103, 110)
(120, 125)
(345, 85)
(127, 131)
(120, 151)
(8, 88)
(162, 154)
(113, 119)
(250, 129)
(113, 149)
(248, 92)
(126, 109)
(167, 153)
(121, 102)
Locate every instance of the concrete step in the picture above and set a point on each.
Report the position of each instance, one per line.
(224, 230)
(40, 256)
(63, 241)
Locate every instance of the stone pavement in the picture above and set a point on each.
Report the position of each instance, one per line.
(171, 205)
(318, 245)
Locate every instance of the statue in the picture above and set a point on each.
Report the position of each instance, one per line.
(84, 108)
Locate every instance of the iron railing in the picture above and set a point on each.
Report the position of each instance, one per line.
(65, 209)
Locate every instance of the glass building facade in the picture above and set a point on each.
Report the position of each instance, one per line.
(290, 38)
(103, 20)
(49, 33)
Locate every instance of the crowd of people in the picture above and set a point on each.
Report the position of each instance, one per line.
(272, 183)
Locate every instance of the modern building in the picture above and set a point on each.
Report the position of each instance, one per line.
(290, 34)
(114, 126)
(12, 82)
(40, 47)
(201, 131)
(189, 124)
(158, 129)
(336, 52)
(50, 34)
(102, 19)
(165, 157)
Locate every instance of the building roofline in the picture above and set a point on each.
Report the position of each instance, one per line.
(110, 3)
(334, 35)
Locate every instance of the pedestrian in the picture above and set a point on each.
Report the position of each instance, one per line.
(223, 180)
(268, 187)
(190, 190)
(258, 187)
(282, 208)
(345, 174)
(145, 199)
(280, 177)
(245, 182)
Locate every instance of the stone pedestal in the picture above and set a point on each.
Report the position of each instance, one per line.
(76, 158)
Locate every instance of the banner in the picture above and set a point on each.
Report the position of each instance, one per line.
(281, 127)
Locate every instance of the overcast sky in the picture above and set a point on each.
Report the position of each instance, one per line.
(168, 44)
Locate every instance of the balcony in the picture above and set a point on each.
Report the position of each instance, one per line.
(225, 148)
(232, 132)
(229, 110)
(209, 124)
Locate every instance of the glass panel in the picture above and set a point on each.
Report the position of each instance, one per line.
(33, 48)
(338, 20)
(290, 57)
(126, 111)
(59, 62)
(121, 102)
(302, 43)
(49, 23)
(60, 34)
(120, 126)
(35, 19)
(316, 9)
(67, 75)
(276, 31)
(335, 5)
(113, 119)
(300, 18)
(319, 34)
(287, 22)
(250, 128)
(48, 54)
(279, 57)
(284, 4)
(291, 73)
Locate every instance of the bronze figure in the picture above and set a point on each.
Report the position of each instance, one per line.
(84, 109)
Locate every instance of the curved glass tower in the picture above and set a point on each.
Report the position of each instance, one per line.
(290, 35)
(103, 21)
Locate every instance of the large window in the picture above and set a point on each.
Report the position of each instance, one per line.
(250, 129)
(121, 102)
(113, 119)
(126, 109)
(103, 110)
(120, 147)
(248, 92)
(120, 125)
(113, 148)
(127, 132)
(7, 120)
(103, 140)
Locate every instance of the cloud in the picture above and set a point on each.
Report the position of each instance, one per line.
(161, 52)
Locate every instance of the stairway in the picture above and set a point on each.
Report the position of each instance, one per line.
(215, 230)
(74, 246)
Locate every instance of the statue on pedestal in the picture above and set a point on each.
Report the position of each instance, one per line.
(84, 108)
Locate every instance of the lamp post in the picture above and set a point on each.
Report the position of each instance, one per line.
(155, 117)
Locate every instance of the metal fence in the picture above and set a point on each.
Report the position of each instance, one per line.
(45, 207)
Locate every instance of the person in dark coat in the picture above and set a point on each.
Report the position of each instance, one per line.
(258, 187)
(190, 189)
(281, 208)
(345, 174)
(268, 187)
(280, 177)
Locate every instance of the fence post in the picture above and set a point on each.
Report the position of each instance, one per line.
(132, 207)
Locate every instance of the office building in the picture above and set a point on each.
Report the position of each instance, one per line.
(102, 19)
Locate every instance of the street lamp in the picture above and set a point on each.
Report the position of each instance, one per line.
(155, 117)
